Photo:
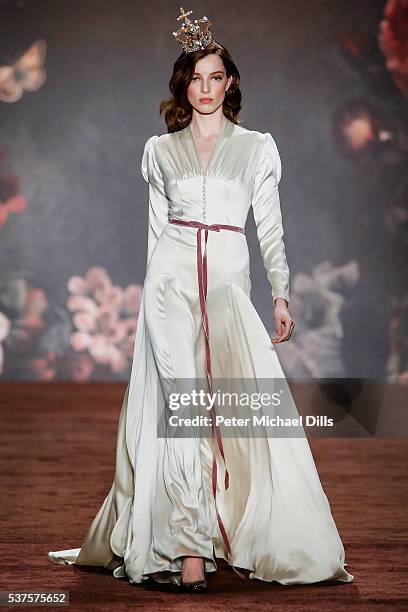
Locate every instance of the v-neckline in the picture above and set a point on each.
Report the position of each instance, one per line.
(215, 147)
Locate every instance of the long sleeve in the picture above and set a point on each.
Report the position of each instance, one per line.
(268, 218)
(158, 204)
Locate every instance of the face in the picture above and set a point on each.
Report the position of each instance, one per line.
(206, 91)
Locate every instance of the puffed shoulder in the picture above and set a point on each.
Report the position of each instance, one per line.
(270, 158)
(149, 166)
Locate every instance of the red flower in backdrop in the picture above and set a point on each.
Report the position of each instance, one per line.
(10, 199)
(393, 41)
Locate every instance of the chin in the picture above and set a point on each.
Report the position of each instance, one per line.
(207, 108)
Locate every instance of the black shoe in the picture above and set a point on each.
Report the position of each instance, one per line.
(198, 586)
(155, 585)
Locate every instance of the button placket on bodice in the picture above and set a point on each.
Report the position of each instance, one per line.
(204, 172)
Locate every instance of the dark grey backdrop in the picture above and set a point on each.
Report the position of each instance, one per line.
(76, 144)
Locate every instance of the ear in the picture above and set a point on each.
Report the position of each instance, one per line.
(229, 82)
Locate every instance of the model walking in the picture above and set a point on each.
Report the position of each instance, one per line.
(176, 504)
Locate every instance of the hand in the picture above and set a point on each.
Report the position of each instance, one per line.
(284, 324)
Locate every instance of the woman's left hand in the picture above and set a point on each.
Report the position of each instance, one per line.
(284, 324)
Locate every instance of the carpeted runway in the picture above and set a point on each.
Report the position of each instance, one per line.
(57, 464)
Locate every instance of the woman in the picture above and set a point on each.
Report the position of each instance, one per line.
(168, 514)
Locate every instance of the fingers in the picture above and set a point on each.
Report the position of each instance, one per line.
(287, 325)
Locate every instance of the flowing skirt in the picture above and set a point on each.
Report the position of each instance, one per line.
(161, 506)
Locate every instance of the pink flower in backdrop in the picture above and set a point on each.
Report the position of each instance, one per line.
(10, 199)
(393, 41)
(359, 131)
(105, 317)
(43, 367)
(30, 325)
(72, 366)
(357, 128)
(5, 325)
(22, 330)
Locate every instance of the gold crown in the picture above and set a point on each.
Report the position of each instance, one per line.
(190, 36)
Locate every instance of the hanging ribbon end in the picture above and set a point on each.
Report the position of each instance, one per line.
(226, 480)
(240, 574)
(231, 563)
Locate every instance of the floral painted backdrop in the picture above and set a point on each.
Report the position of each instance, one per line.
(80, 85)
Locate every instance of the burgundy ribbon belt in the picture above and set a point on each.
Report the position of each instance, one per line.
(202, 288)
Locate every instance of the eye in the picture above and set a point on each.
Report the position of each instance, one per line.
(218, 78)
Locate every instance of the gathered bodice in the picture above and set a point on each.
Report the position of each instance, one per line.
(244, 170)
(222, 193)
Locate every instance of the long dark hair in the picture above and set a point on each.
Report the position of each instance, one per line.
(177, 109)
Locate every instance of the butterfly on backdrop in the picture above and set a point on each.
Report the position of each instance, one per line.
(25, 74)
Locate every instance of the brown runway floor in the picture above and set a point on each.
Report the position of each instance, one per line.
(57, 465)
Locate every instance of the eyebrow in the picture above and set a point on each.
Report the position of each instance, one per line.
(216, 72)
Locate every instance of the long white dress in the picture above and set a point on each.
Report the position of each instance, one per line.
(161, 504)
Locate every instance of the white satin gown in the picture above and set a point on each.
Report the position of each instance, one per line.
(161, 506)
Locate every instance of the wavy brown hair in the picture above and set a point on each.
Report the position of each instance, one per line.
(177, 109)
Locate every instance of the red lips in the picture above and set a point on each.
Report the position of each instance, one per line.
(206, 99)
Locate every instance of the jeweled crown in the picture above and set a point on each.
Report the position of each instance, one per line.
(190, 36)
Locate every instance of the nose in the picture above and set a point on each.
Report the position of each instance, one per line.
(205, 88)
